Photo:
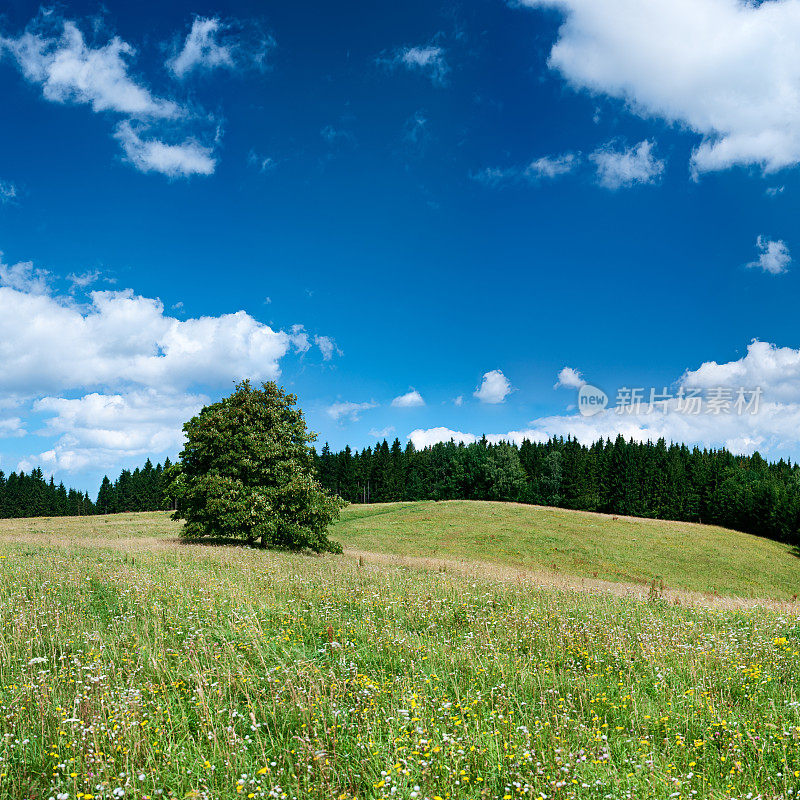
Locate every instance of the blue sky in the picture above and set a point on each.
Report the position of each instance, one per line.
(373, 203)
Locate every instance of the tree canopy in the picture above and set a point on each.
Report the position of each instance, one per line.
(247, 472)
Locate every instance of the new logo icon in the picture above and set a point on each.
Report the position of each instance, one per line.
(591, 400)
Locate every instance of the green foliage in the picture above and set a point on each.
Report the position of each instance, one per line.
(247, 472)
(31, 495)
(643, 479)
(506, 478)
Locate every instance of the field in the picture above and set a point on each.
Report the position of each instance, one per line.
(700, 558)
(421, 664)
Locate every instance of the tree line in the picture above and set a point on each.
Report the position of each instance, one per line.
(645, 479)
(32, 495)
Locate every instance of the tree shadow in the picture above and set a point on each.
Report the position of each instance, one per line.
(218, 541)
(233, 543)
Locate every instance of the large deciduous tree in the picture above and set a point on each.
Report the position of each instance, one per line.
(247, 472)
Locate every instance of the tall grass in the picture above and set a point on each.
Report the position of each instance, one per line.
(154, 669)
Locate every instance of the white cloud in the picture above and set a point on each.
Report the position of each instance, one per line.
(775, 369)
(299, 338)
(382, 433)
(621, 168)
(411, 399)
(494, 388)
(11, 427)
(775, 428)
(214, 44)
(724, 69)
(496, 176)
(327, 347)
(774, 191)
(348, 410)
(8, 192)
(425, 438)
(115, 378)
(49, 343)
(53, 54)
(774, 256)
(84, 279)
(543, 168)
(24, 277)
(429, 59)
(261, 163)
(201, 49)
(569, 378)
(458, 401)
(173, 160)
(99, 430)
(552, 166)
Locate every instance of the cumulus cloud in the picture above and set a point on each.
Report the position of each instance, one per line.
(50, 344)
(691, 62)
(99, 430)
(773, 256)
(115, 377)
(338, 412)
(775, 369)
(569, 378)
(411, 399)
(173, 160)
(494, 388)
(621, 168)
(11, 427)
(422, 438)
(214, 44)
(771, 372)
(429, 60)
(53, 54)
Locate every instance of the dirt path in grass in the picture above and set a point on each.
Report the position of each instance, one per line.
(543, 579)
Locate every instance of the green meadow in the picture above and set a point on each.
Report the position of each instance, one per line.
(437, 658)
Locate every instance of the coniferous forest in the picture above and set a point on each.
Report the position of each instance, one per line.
(617, 477)
(623, 477)
(31, 495)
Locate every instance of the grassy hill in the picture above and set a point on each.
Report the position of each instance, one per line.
(134, 666)
(627, 550)
(701, 558)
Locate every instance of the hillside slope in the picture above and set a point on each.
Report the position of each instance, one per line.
(701, 558)
(625, 550)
